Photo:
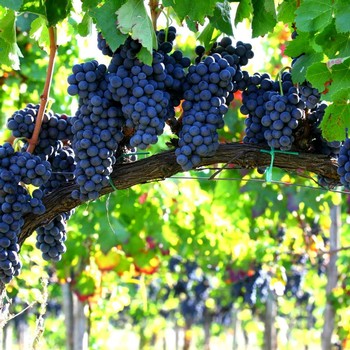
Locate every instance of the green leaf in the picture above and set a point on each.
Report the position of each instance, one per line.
(39, 32)
(84, 27)
(301, 65)
(264, 17)
(8, 28)
(244, 10)
(318, 74)
(11, 4)
(208, 36)
(286, 10)
(145, 56)
(10, 54)
(9, 50)
(336, 120)
(133, 18)
(57, 10)
(300, 45)
(106, 22)
(37, 7)
(314, 15)
(196, 10)
(88, 5)
(333, 43)
(340, 77)
(222, 18)
(112, 235)
(342, 15)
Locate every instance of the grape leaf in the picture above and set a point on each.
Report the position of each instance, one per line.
(10, 54)
(300, 45)
(285, 11)
(133, 18)
(196, 10)
(84, 27)
(9, 50)
(7, 27)
(89, 4)
(222, 18)
(37, 7)
(106, 22)
(56, 11)
(333, 43)
(342, 15)
(244, 10)
(110, 238)
(39, 32)
(340, 77)
(301, 65)
(336, 120)
(11, 4)
(264, 18)
(318, 74)
(314, 15)
(208, 36)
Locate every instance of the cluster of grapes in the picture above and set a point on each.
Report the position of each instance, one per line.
(252, 287)
(273, 110)
(208, 90)
(96, 129)
(344, 164)
(54, 130)
(51, 237)
(283, 115)
(17, 169)
(51, 165)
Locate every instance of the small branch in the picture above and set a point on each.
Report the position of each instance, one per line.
(334, 251)
(156, 10)
(45, 96)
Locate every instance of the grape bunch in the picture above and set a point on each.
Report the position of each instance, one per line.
(16, 170)
(344, 164)
(310, 95)
(209, 83)
(103, 46)
(165, 39)
(96, 129)
(282, 116)
(63, 166)
(259, 122)
(140, 89)
(51, 237)
(55, 129)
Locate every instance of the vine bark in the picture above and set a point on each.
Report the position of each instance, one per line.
(163, 165)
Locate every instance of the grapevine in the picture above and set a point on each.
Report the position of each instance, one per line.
(127, 104)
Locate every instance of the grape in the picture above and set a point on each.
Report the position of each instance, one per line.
(203, 110)
(17, 168)
(55, 129)
(51, 237)
(311, 96)
(97, 133)
(145, 105)
(280, 108)
(63, 166)
(103, 46)
(344, 164)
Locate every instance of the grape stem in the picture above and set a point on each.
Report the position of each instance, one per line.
(156, 10)
(45, 95)
(279, 77)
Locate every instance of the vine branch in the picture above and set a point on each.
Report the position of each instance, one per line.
(45, 95)
(163, 165)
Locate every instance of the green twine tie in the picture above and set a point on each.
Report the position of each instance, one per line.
(268, 173)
